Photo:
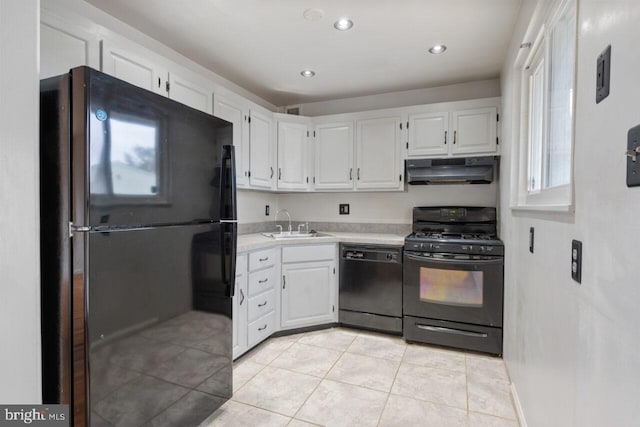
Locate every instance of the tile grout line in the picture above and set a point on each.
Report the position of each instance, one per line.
(320, 382)
(386, 402)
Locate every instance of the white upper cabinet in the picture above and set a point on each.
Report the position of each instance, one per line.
(187, 90)
(261, 149)
(334, 156)
(234, 110)
(428, 134)
(293, 152)
(64, 46)
(475, 131)
(378, 163)
(137, 69)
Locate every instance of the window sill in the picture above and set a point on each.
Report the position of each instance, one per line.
(561, 208)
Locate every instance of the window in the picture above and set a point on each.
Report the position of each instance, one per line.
(548, 78)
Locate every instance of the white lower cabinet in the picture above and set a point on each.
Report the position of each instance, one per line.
(240, 303)
(308, 286)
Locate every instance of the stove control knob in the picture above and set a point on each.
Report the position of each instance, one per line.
(482, 249)
(430, 245)
(465, 248)
(421, 245)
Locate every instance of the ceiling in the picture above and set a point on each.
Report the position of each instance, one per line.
(262, 45)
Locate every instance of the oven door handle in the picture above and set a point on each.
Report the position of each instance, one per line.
(452, 331)
(487, 260)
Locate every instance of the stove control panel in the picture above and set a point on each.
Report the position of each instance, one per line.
(455, 248)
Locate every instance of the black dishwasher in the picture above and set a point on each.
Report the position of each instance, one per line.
(371, 287)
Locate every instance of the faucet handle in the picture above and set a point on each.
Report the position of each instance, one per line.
(300, 226)
(280, 227)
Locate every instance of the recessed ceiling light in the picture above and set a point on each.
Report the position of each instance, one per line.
(437, 49)
(307, 73)
(313, 14)
(343, 24)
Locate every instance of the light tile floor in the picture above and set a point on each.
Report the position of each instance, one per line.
(346, 377)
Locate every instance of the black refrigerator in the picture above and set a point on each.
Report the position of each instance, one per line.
(138, 248)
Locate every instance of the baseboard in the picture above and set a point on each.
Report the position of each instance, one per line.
(516, 402)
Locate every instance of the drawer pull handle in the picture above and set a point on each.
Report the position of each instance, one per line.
(241, 297)
(263, 259)
(263, 304)
(263, 328)
(263, 281)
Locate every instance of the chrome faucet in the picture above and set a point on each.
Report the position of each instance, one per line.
(275, 219)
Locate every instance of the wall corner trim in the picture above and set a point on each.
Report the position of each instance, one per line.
(516, 403)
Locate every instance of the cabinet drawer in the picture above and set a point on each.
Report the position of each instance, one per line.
(261, 328)
(261, 281)
(308, 253)
(261, 305)
(262, 259)
(241, 264)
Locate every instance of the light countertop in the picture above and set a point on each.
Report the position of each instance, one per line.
(249, 242)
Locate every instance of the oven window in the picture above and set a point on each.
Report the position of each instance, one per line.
(454, 287)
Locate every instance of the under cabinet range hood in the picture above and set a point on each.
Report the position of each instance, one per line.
(457, 170)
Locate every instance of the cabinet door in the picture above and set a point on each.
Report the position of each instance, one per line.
(123, 63)
(307, 293)
(475, 131)
(378, 153)
(428, 134)
(189, 93)
(240, 301)
(334, 156)
(292, 156)
(262, 171)
(240, 304)
(64, 46)
(234, 111)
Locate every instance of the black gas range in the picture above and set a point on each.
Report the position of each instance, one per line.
(453, 278)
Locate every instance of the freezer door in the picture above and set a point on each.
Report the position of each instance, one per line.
(147, 160)
(159, 324)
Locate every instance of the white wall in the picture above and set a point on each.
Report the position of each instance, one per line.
(387, 207)
(251, 206)
(572, 350)
(457, 92)
(19, 219)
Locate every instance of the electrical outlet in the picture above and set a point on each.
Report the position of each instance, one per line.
(344, 209)
(576, 260)
(633, 157)
(603, 75)
(266, 210)
(531, 238)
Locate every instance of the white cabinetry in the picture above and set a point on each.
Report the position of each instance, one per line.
(464, 130)
(308, 285)
(234, 110)
(293, 154)
(261, 149)
(64, 45)
(428, 133)
(264, 270)
(474, 131)
(334, 156)
(240, 303)
(378, 153)
(136, 68)
(142, 68)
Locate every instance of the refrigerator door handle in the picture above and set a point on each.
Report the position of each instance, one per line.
(228, 210)
(229, 277)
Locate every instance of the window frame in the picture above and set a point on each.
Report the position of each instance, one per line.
(559, 198)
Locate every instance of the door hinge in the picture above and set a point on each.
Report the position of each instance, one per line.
(497, 141)
(167, 86)
(400, 178)
(334, 270)
(400, 125)
(497, 117)
(307, 134)
(407, 125)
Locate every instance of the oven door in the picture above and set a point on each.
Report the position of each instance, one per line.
(458, 288)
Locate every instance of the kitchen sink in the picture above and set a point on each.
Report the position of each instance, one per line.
(294, 235)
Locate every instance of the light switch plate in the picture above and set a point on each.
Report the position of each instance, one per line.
(266, 210)
(344, 209)
(576, 260)
(633, 167)
(603, 71)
